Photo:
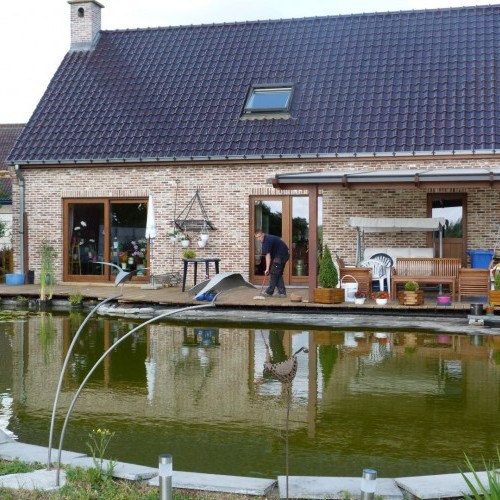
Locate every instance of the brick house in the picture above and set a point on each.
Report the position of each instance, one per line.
(289, 125)
(9, 132)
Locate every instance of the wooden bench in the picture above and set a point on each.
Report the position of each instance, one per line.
(427, 271)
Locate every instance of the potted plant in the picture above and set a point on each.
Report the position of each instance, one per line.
(411, 295)
(189, 254)
(359, 297)
(494, 295)
(48, 256)
(328, 279)
(185, 240)
(204, 233)
(174, 235)
(490, 309)
(381, 298)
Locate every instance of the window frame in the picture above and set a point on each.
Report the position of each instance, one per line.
(270, 88)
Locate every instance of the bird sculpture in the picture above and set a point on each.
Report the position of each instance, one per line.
(285, 370)
(122, 276)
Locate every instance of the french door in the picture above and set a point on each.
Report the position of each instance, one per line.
(453, 207)
(104, 230)
(288, 218)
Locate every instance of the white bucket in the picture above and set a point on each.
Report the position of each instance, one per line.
(350, 288)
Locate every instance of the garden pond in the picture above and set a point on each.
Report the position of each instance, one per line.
(401, 402)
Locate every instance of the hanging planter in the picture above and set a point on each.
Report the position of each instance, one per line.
(204, 237)
(202, 243)
(185, 243)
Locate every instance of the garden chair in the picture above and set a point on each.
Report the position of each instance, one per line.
(381, 271)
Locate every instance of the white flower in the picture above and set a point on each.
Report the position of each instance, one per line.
(77, 228)
(83, 223)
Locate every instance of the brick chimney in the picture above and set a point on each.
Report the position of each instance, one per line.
(85, 23)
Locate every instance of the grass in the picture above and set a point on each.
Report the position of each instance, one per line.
(91, 484)
(483, 491)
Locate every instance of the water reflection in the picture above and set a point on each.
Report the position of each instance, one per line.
(401, 402)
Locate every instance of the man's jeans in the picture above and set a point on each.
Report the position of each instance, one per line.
(276, 275)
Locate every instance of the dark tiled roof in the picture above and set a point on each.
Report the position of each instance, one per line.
(8, 136)
(389, 82)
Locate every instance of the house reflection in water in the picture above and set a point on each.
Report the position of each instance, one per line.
(359, 398)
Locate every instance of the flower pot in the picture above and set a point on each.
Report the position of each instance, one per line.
(443, 300)
(204, 237)
(329, 295)
(409, 298)
(359, 300)
(185, 243)
(381, 302)
(494, 297)
(202, 243)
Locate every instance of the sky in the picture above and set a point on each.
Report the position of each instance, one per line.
(35, 34)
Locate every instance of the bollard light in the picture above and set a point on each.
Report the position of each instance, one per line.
(165, 474)
(368, 484)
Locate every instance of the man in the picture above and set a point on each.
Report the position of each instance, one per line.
(277, 255)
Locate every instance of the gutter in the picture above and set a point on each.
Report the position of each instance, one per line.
(256, 157)
(20, 179)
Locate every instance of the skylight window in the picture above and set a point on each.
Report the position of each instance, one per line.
(269, 99)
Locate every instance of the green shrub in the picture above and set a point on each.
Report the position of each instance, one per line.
(411, 286)
(189, 254)
(497, 281)
(328, 275)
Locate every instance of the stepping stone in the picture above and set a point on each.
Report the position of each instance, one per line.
(121, 470)
(334, 487)
(37, 480)
(440, 486)
(32, 453)
(219, 483)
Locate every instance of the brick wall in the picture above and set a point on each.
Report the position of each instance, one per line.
(225, 191)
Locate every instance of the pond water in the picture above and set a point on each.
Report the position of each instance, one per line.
(404, 403)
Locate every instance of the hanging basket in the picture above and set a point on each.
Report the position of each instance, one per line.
(350, 288)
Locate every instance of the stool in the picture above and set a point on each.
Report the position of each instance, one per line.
(196, 262)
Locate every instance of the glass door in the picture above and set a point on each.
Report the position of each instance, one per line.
(288, 218)
(452, 207)
(109, 231)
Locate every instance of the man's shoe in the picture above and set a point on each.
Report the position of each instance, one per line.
(265, 294)
(282, 295)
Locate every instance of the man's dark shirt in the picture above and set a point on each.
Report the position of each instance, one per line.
(275, 246)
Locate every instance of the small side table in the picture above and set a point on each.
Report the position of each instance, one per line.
(195, 262)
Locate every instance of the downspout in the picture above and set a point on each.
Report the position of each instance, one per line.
(20, 179)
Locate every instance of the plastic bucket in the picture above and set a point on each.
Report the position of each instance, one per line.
(480, 259)
(349, 288)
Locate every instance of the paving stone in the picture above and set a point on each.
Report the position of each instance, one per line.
(219, 483)
(37, 480)
(5, 438)
(439, 486)
(334, 487)
(121, 470)
(32, 453)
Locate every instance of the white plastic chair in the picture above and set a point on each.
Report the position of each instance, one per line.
(380, 272)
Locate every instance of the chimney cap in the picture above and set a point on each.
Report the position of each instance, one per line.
(99, 4)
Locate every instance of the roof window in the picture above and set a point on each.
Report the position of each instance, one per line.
(269, 99)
